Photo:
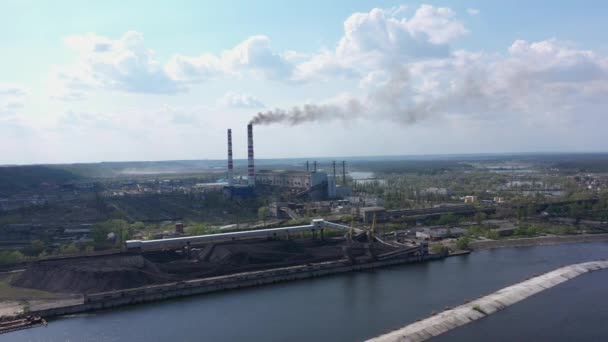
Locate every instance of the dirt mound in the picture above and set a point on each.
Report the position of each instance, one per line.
(87, 275)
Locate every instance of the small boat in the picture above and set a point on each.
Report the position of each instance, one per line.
(22, 323)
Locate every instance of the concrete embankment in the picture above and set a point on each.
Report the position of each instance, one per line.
(543, 240)
(151, 293)
(472, 311)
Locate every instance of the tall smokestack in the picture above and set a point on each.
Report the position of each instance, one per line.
(250, 167)
(334, 165)
(230, 164)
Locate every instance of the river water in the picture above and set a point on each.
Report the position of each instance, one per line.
(347, 307)
(576, 310)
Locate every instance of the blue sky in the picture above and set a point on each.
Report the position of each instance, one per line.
(131, 80)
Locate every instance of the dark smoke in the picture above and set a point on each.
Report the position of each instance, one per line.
(396, 101)
(309, 113)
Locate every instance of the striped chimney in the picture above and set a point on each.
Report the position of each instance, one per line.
(250, 167)
(230, 164)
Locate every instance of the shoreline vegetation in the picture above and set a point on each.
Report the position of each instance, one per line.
(536, 241)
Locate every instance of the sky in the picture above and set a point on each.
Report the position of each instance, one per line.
(140, 80)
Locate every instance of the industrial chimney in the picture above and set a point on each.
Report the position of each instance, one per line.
(250, 167)
(230, 164)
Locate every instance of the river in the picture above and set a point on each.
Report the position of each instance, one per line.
(347, 307)
(573, 311)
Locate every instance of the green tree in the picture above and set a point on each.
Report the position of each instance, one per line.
(198, 229)
(448, 219)
(522, 230)
(480, 217)
(263, 214)
(11, 257)
(575, 211)
(138, 225)
(69, 249)
(35, 248)
(533, 230)
(439, 249)
(492, 234)
(101, 230)
(462, 243)
(531, 210)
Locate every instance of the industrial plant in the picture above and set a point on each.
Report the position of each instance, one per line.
(309, 183)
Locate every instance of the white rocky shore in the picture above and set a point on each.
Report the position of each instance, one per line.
(479, 308)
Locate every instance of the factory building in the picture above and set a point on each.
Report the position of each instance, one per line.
(439, 233)
(314, 184)
(291, 179)
(311, 183)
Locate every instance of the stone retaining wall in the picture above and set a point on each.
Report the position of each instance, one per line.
(155, 293)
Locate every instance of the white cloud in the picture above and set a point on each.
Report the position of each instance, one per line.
(399, 66)
(532, 82)
(472, 11)
(382, 38)
(7, 89)
(124, 64)
(239, 100)
(372, 40)
(127, 65)
(540, 84)
(12, 99)
(254, 54)
(555, 61)
(438, 24)
(374, 79)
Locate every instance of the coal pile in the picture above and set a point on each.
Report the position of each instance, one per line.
(121, 271)
(88, 275)
(234, 257)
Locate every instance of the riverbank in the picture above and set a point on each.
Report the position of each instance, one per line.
(482, 307)
(536, 241)
(113, 299)
(369, 303)
(16, 302)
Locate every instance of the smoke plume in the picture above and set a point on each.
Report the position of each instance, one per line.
(309, 113)
(396, 101)
(472, 90)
